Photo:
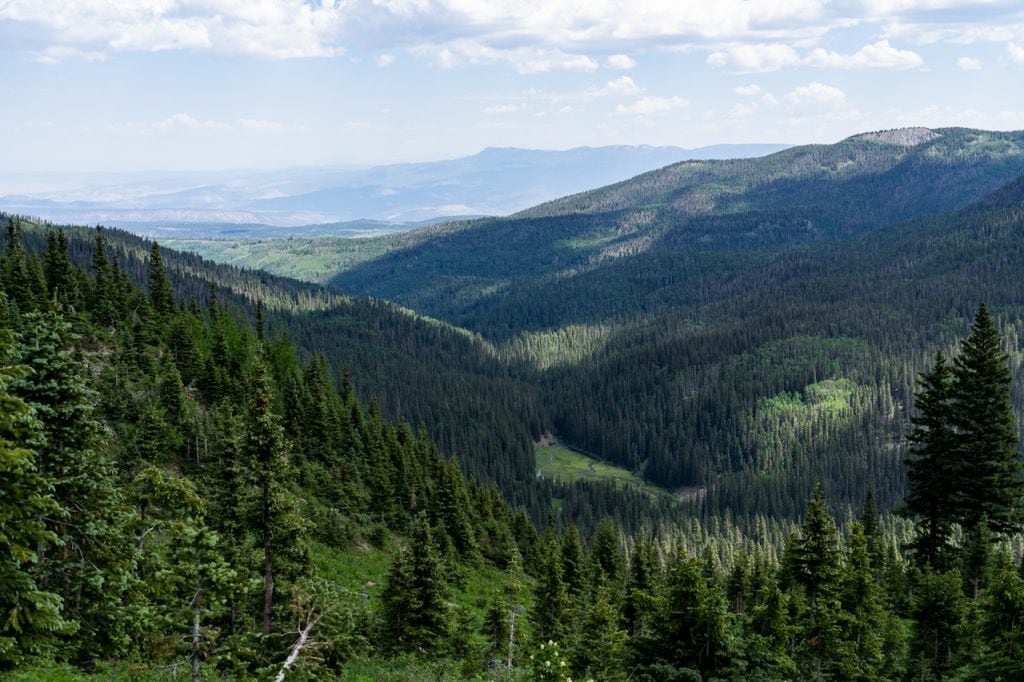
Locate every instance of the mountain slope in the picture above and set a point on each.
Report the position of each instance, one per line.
(800, 195)
(492, 182)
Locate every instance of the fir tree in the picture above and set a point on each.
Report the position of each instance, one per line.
(92, 567)
(932, 468)
(31, 617)
(161, 296)
(415, 598)
(990, 473)
(938, 610)
(272, 508)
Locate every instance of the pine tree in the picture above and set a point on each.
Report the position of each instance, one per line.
(271, 508)
(938, 611)
(1002, 625)
(60, 279)
(551, 604)
(692, 629)
(31, 617)
(92, 568)
(815, 563)
(416, 614)
(161, 296)
(991, 473)
(862, 599)
(932, 469)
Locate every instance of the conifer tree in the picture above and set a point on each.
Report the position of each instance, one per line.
(815, 563)
(861, 598)
(932, 468)
(271, 509)
(1002, 625)
(938, 610)
(161, 296)
(991, 474)
(103, 294)
(692, 630)
(61, 284)
(416, 613)
(92, 567)
(573, 563)
(31, 617)
(551, 605)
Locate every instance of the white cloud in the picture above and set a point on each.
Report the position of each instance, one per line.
(817, 95)
(755, 58)
(619, 61)
(525, 60)
(880, 55)
(622, 86)
(968, 64)
(774, 56)
(275, 29)
(646, 106)
(175, 123)
(503, 109)
(1015, 52)
(385, 60)
(61, 53)
(748, 90)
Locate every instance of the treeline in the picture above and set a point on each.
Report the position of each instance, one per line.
(478, 408)
(168, 472)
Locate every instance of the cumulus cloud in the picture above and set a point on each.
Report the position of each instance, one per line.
(748, 90)
(817, 95)
(880, 55)
(176, 123)
(383, 60)
(646, 106)
(618, 87)
(525, 60)
(503, 109)
(1015, 52)
(619, 61)
(275, 29)
(774, 56)
(61, 53)
(755, 58)
(968, 64)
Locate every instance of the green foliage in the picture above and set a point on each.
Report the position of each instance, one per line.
(991, 473)
(30, 618)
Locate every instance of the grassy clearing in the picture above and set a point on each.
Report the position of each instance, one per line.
(559, 462)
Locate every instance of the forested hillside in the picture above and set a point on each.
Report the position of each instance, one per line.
(736, 330)
(182, 495)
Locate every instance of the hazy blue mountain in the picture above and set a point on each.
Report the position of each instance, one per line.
(497, 181)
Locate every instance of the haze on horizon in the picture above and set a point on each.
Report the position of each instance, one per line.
(129, 85)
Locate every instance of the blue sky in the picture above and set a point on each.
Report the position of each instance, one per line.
(126, 85)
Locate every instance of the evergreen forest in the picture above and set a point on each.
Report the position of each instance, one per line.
(811, 362)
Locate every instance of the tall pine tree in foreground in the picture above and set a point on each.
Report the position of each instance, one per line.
(990, 470)
(964, 465)
(932, 465)
(29, 616)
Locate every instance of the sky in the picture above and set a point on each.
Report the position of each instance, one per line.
(203, 85)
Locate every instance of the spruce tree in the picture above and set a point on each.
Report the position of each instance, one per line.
(991, 474)
(92, 568)
(938, 610)
(271, 508)
(416, 613)
(31, 617)
(161, 296)
(932, 468)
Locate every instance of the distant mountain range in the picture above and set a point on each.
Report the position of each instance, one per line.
(336, 200)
